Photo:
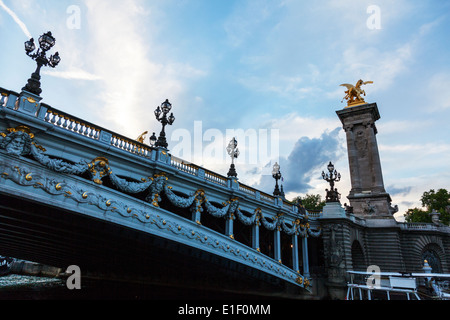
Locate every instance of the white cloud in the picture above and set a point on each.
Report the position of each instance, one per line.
(72, 74)
(420, 150)
(405, 126)
(136, 73)
(293, 126)
(371, 63)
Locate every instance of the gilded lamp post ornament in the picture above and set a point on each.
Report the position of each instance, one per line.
(161, 116)
(354, 92)
(46, 42)
(233, 152)
(331, 177)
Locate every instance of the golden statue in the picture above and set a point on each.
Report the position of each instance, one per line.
(354, 92)
(141, 137)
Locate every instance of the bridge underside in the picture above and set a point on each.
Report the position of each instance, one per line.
(56, 237)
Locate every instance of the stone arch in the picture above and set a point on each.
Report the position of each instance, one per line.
(358, 257)
(430, 248)
(431, 253)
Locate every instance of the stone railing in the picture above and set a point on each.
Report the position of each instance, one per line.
(184, 166)
(422, 226)
(267, 198)
(89, 130)
(248, 190)
(315, 213)
(8, 98)
(215, 178)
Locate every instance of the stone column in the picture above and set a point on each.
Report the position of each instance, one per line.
(229, 226)
(367, 196)
(353, 160)
(305, 256)
(335, 263)
(255, 236)
(295, 265)
(277, 244)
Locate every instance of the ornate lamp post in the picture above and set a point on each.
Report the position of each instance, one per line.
(46, 42)
(276, 174)
(164, 110)
(233, 152)
(331, 177)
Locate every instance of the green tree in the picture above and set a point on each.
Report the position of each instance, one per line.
(417, 215)
(431, 200)
(435, 200)
(311, 201)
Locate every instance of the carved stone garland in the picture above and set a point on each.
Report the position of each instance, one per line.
(18, 141)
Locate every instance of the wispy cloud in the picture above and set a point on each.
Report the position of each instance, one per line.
(73, 74)
(16, 19)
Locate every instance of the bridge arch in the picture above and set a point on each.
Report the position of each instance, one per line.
(358, 257)
(430, 248)
(432, 253)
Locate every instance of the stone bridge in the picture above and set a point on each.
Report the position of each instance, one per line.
(74, 193)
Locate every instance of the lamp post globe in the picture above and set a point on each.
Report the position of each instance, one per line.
(46, 41)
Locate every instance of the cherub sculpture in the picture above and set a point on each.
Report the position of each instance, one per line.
(141, 137)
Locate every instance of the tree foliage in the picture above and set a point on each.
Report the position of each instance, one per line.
(311, 202)
(431, 200)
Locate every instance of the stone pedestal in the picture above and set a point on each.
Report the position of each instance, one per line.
(368, 197)
(28, 103)
(333, 210)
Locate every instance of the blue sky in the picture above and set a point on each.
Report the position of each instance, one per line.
(256, 65)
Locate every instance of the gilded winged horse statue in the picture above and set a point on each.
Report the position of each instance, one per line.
(354, 92)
